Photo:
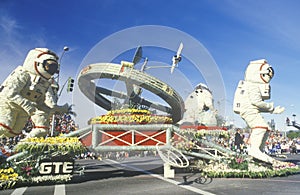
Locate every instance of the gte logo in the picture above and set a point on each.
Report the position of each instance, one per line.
(56, 168)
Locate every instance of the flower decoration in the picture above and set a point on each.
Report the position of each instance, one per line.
(63, 145)
(8, 178)
(238, 162)
(26, 168)
(231, 164)
(131, 116)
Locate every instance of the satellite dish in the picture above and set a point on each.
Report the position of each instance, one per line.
(177, 57)
(137, 55)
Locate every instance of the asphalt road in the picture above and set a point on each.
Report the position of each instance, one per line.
(138, 175)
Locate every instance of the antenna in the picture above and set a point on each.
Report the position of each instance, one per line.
(144, 65)
(138, 55)
(175, 60)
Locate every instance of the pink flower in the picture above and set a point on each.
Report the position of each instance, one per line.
(239, 160)
(27, 169)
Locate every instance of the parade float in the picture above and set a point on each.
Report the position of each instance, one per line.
(179, 145)
(135, 126)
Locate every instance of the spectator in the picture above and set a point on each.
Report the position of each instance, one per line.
(238, 140)
(287, 121)
(293, 148)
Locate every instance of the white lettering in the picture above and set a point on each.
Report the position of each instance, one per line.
(45, 168)
(57, 166)
(67, 167)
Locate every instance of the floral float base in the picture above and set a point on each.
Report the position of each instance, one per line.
(238, 165)
(37, 153)
(247, 170)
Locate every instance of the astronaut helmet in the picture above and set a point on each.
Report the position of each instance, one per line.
(259, 71)
(42, 62)
(200, 87)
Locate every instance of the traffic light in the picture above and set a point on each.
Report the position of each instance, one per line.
(70, 84)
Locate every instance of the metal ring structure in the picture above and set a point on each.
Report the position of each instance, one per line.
(172, 156)
(131, 77)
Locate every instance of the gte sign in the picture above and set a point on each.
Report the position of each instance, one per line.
(56, 167)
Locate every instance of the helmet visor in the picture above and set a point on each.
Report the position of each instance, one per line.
(271, 72)
(51, 66)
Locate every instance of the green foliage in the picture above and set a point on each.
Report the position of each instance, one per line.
(293, 134)
(252, 174)
(238, 162)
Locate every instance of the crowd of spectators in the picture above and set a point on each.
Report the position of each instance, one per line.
(7, 144)
(276, 144)
(64, 124)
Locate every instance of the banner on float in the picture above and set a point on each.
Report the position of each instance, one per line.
(56, 166)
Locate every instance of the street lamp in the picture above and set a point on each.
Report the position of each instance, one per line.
(294, 115)
(294, 122)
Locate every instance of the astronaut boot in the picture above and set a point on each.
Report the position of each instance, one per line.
(276, 164)
(38, 132)
(263, 142)
(257, 137)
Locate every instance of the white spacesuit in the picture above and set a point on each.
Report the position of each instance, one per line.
(249, 103)
(199, 109)
(41, 118)
(23, 94)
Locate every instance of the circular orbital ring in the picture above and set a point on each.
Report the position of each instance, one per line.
(131, 77)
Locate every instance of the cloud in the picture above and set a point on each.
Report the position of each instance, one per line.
(11, 51)
(14, 45)
(9, 32)
(8, 25)
(277, 19)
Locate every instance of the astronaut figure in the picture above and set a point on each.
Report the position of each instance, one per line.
(41, 118)
(249, 104)
(199, 109)
(24, 94)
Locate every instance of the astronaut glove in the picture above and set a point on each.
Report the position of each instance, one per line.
(44, 108)
(66, 108)
(62, 109)
(29, 109)
(271, 105)
(72, 112)
(278, 110)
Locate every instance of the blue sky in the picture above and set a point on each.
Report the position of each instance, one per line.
(233, 32)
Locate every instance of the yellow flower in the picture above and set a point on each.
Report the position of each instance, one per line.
(130, 116)
(3, 177)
